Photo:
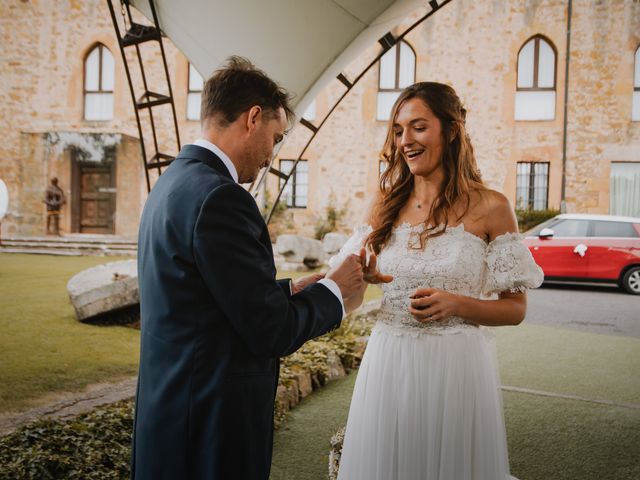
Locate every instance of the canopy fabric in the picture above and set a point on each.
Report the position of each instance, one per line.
(302, 44)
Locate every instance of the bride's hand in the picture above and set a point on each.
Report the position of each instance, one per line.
(370, 271)
(433, 305)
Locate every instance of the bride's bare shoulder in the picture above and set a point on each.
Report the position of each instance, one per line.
(496, 211)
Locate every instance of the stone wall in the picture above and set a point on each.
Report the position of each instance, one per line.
(43, 46)
(473, 46)
(470, 45)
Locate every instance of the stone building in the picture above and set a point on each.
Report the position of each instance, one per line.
(544, 139)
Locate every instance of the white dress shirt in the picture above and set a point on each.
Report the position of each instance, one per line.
(201, 142)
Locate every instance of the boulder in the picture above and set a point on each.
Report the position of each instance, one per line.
(296, 249)
(104, 288)
(293, 393)
(334, 364)
(333, 242)
(282, 398)
(303, 377)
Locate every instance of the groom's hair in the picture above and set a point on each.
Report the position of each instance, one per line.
(237, 87)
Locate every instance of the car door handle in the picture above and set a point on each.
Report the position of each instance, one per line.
(580, 249)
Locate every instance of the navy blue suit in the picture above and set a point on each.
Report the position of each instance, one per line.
(214, 322)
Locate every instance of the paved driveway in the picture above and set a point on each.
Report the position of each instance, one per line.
(599, 309)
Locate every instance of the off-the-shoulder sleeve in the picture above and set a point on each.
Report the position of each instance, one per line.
(353, 245)
(510, 266)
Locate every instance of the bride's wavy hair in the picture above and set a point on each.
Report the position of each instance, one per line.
(461, 174)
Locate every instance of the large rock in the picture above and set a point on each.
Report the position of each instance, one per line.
(297, 249)
(303, 377)
(333, 242)
(335, 367)
(103, 289)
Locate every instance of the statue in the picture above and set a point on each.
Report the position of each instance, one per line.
(54, 199)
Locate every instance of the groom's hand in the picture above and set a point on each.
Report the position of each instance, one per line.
(348, 275)
(305, 281)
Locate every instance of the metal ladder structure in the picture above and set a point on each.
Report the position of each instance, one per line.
(135, 35)
(386, 43)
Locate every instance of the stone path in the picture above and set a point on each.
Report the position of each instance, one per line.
(70, 404)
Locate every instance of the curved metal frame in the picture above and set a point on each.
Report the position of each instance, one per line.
(386, 42)
(138, 34)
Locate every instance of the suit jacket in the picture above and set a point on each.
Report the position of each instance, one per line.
(214, 322)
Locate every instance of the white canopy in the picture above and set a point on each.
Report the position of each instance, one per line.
(302, 44)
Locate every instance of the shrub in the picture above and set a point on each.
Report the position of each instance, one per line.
(331, 221)
(281, 220)
(528, 219)
(94, 445)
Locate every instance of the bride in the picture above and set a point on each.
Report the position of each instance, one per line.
(426, 403)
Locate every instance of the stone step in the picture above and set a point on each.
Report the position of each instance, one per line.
(99, 240)
(60, 251)
(85, 244)
(78, 245)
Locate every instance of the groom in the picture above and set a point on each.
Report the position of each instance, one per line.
(214, 320)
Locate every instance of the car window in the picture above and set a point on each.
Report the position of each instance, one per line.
(533, 232)
(613, 229)
(570, 228)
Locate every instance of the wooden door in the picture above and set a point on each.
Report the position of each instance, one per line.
(94, 198)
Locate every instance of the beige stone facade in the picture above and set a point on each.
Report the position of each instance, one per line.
(471, 45)
(43, 49)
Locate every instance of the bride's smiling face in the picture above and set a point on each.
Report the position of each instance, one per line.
(418, 137)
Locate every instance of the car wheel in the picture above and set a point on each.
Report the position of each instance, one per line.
(631, 281)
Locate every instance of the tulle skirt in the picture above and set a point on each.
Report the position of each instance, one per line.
(426, 407)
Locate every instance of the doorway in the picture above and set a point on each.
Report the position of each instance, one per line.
(93, 208)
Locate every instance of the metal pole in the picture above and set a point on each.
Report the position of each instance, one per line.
(563, 202)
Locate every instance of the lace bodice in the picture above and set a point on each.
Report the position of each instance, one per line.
(456, 261)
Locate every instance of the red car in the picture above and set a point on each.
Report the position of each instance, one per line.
(588, 248)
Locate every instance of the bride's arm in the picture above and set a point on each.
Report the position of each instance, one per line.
(510, 308)
(436, 305)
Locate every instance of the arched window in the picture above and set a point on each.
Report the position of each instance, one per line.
(635, 109)
(536, 85)
(397, 71)
(98, 84)
(194, 94)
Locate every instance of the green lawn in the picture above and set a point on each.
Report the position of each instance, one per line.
(549, 438)
(43, 348)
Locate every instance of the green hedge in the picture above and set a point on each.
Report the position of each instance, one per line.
(94, 445)
(528, 219)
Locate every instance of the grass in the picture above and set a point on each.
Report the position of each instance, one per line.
(552, 438)
(570, 362)
(43, 348)
(549, 438)
(301, 447)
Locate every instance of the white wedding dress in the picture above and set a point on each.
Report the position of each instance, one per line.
(427, 404)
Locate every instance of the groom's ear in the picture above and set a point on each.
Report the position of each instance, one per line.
(254, 116)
